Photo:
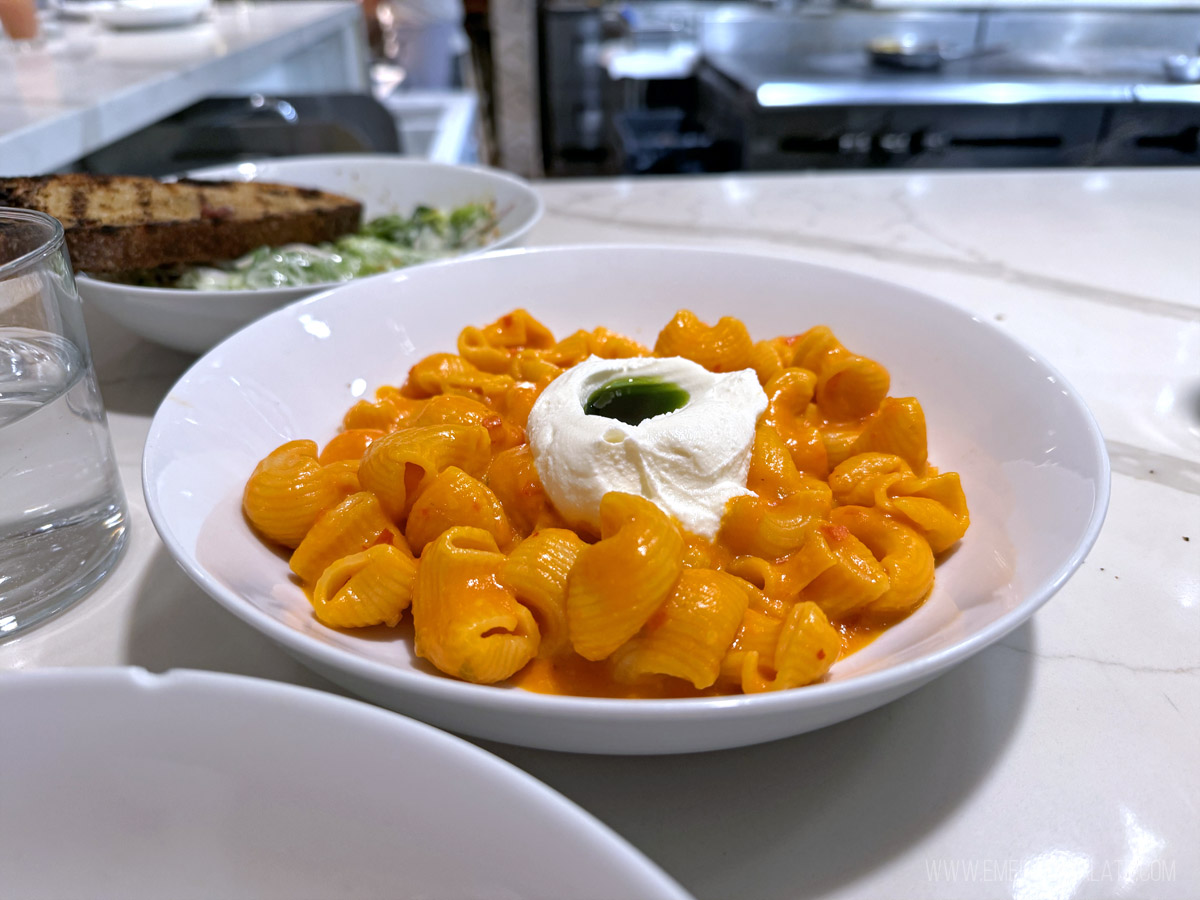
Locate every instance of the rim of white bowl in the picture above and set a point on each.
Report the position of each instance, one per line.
(514, 699)
(243, 688)
(237, 298)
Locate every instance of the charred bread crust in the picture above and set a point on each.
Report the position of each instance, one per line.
(118, 223)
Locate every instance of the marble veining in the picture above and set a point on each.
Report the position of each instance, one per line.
(940, 252)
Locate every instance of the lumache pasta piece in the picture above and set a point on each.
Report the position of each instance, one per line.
(934, 504)
(290, 489)
(898, 427)
(772, 529)
(536, 571)
(689, 635)
(514, 480)
(723, 347)
(349, 445)
(808, 647)
(902, 552)
(492, 347)
(400, 465)
(355, 524)
(466, 622)
(773, 473)
(372, 587)
(455, 498)
(619, 582)
(445, 373)
(789, 394)
(849, 577)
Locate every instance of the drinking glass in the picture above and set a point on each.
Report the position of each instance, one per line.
(62, 511)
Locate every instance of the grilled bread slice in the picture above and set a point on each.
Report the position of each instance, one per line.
(115, 223)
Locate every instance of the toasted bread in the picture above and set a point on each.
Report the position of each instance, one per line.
(115, 223)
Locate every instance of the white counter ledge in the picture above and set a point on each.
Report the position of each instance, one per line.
(1060, 763)
(88, 86)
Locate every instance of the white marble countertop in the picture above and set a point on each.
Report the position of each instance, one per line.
(87, 86)
(1058, 764)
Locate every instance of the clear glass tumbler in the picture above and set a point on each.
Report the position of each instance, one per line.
(62, 511)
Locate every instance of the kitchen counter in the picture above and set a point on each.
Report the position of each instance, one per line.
(1059, 763)
(849, 79)
(88, 86)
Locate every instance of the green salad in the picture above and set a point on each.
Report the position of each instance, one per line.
(389, 242)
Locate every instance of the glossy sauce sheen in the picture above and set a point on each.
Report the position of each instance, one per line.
(573, 676)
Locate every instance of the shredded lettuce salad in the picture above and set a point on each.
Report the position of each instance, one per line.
(385, 243)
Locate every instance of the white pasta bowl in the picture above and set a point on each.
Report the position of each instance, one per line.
(122, 784)
(1032, 462)
(194, 321)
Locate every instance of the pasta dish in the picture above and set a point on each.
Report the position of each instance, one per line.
(590, 516)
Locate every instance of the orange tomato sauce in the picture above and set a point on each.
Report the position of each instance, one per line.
(574, 676)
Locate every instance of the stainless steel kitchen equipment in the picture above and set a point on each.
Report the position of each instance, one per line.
(798, 87)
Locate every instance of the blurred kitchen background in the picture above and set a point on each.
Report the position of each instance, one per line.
(562, 88)
(661, 86)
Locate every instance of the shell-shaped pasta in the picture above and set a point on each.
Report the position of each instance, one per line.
(808, 646)
(789, 395)
(445, 373)
(850, 387)
(723, 347)
(514, 480)
(349, 445)
(492, 348)
(517, 330)
(519, 399)
(850, 578)
(859, 480)
(475, 348)
(771, 530)
(574, 348)
(382, 415)
(770, 357)
(619, 582)
(355, 524)
(815, 347)
(289, 490)
(400, 465)
(935, 505)
(466, 622)
(750, 662)
(839, 444)
(455, 498)
(773, 473)
(902, 552)
(610, 345)
(899, 428)
(532, 365)
(373, 587)
(690, 633)
(536, 571)
(449, 409)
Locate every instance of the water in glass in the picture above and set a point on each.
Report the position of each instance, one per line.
(61, 518)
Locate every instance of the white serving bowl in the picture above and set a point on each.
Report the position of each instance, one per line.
(194, 321)
(122, 784)
(1032, 461)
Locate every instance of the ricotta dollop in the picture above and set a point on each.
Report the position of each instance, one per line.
(689, 462)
